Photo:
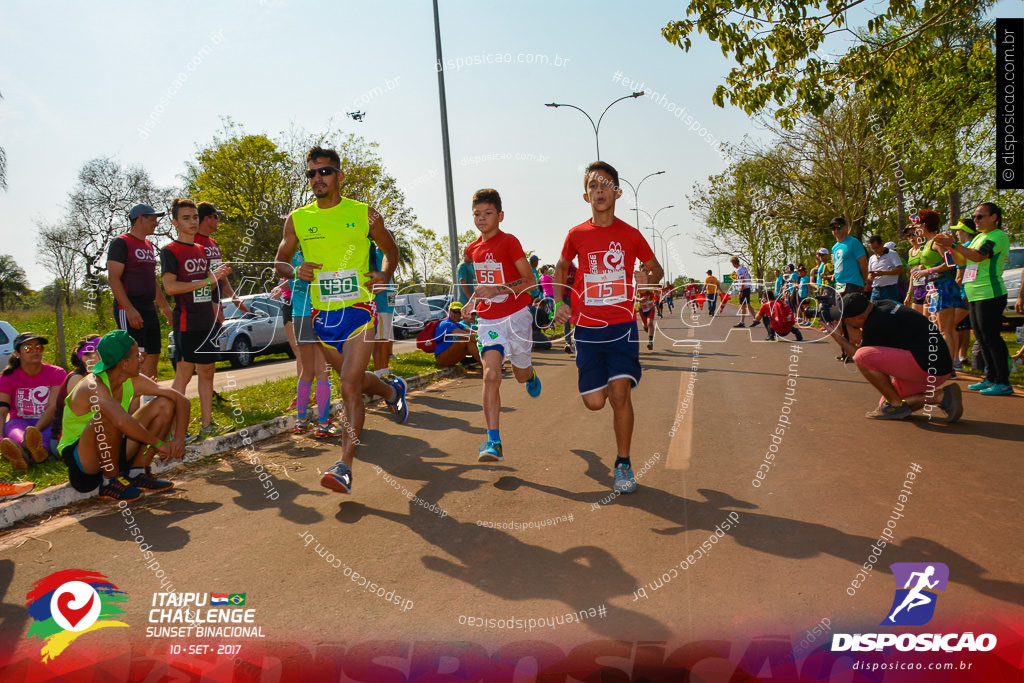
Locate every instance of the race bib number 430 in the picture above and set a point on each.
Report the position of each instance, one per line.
(605, 289)
(338, 285)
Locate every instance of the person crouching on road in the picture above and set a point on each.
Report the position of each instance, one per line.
(902, 355)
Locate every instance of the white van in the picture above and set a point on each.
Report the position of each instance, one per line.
(412, 313)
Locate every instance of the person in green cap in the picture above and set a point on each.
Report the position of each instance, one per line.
(101, 443)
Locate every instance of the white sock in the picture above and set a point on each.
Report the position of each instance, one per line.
(136, 471)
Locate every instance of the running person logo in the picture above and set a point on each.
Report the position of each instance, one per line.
(70, 603)
(916, 586)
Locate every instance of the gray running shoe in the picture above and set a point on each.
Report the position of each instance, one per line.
(885, 411)
(624, 481)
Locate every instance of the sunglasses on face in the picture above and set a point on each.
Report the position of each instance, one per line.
(26, 348)
(324, 171)
(978, 216)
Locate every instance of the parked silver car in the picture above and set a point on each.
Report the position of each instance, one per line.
(1012, 273)
(244, 336)
(7, 336)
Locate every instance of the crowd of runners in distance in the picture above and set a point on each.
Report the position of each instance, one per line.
(108, 418)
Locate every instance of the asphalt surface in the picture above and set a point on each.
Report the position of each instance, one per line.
(705, 416)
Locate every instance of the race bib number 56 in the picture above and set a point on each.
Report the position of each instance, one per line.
(338, 285)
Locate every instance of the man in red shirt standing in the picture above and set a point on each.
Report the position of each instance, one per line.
(131, 266)
(607, 342)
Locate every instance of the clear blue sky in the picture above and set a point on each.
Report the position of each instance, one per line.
(80, 81)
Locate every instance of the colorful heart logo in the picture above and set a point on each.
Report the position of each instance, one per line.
(73, 615)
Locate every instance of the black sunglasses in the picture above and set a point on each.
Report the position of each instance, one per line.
(323, 170)
(981, 215)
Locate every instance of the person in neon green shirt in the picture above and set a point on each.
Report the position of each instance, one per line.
(985, 257)
(335, 234)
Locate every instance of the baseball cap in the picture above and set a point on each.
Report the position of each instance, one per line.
(112, 347)
(455, 306)
(207, 209)
(143, 210)
(854, 303)
(889, 245)
(534, 259)
(838, 220)
(27, 337)
(823, 252)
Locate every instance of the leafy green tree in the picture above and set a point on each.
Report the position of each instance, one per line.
(13, 282)
(778, 45)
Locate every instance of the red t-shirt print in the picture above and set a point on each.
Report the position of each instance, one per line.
(603, 291)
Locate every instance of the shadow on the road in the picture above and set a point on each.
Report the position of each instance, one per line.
(252, 494)
(493, 561)
(769, 534)
(1001, 431)
(440, 403)
(433, 420)
(13, 615)
(155, 516)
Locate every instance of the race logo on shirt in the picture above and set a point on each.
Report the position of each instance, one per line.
(148, 255)
(32, 402)
(614, 258)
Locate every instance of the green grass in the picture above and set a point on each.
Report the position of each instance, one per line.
(256, 403)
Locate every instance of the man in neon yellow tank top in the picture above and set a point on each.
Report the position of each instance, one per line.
(335, 233)
(105, 446)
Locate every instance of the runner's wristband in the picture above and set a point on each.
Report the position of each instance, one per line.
(557, 304)
(158, 444)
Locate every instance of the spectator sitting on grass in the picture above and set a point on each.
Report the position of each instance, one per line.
(28, 401)
(455, 340)
(902, 355)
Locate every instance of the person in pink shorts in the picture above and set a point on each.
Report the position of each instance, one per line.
(901, 354)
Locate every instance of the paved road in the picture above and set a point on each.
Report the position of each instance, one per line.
(266, 370)
(703, 551)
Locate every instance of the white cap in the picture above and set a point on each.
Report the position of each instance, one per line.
(890, 245)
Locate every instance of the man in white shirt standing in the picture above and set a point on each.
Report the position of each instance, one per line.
(746, 284)
(884, 270)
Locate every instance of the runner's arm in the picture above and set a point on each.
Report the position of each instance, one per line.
(286, 250)
(4, 409)
(115, 271)
(562, 312)
(387, 246)
(654, 270)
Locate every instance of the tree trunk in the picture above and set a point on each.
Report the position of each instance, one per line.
(901, 211)
(61, 349)
(954, 206)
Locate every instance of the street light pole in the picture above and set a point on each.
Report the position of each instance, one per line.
(664, 243)
(655, 216)
(453, 232)
(636, 193)
(595, 126)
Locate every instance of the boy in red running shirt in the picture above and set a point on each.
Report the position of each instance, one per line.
(500, 300)
(607, 342)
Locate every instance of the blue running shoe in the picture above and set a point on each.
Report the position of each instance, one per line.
(338, 478)
(533, 385)
(978, 386)
(998, 390)
(398, 407)
(624, 481)
(490, 451)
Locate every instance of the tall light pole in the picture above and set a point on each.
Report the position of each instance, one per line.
(661, 234)
(595, 126)
(636, 193)
(655, 216)
(453, 232)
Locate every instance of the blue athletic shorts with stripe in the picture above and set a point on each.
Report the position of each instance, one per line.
(336, 327)
(607, 353)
